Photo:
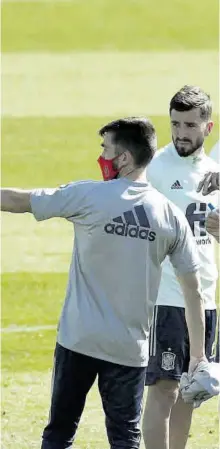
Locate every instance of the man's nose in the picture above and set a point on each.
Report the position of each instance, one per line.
(181, 133)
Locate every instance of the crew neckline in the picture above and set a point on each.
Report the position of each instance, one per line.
(134, 183)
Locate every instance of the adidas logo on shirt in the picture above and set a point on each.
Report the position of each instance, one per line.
(132, 224)
(176, 185)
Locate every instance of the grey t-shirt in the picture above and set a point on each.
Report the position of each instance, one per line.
(123, 230)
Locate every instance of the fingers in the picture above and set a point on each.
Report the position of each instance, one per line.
(212, 226)
(217, 176)
(209, 183)
(202, 182)
(213, 220)
(212, 223)
(214, 233)
(213, 183)
(214, 215)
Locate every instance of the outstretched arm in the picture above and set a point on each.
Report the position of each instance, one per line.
(68, 201)
(16, 200)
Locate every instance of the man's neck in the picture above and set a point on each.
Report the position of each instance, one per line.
(134, 174)
(198, 152)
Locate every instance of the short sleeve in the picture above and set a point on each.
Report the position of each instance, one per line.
(183, 253)
(65, 201)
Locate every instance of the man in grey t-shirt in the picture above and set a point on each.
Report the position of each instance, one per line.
(123, 231)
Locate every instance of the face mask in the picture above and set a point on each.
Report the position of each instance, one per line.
(107, 169)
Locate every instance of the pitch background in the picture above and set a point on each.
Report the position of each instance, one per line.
(67, 68)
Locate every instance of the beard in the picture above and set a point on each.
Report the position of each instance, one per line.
(185, 147)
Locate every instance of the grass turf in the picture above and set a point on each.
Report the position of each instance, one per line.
(93, 84)
(109, 25)
(27, 395)
(50, 151)
(53, 151)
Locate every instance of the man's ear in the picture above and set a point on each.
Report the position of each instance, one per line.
(128, 157)
(209, 127)
(125, 156)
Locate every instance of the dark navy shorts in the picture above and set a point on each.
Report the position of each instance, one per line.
(169, 343)
(121, 389)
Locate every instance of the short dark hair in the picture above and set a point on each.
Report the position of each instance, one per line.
(190, 97)
(135, 134)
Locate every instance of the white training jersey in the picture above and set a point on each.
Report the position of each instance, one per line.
(178, 178)
(215, 152)
(123, 230)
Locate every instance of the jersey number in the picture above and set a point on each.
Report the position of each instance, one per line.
(196, 213)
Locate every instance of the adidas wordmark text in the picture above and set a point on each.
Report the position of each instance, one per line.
(132, 225)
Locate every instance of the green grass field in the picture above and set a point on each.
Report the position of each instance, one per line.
(68, 67)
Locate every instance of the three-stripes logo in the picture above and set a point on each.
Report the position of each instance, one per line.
(132, 224)
(176, 185)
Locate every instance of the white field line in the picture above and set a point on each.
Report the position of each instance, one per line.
(102, 83)
(14, 328)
